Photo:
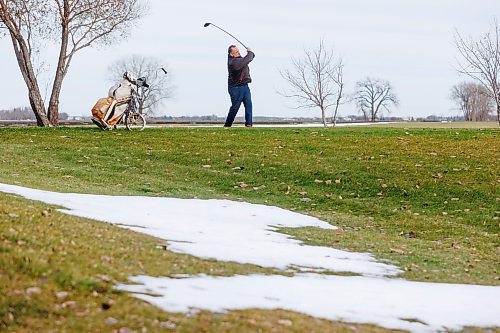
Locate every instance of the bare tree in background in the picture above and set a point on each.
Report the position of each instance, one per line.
(73, 25)
(480, 60)
(317, 80)
(473, 100)
(374, 95)
(160, 84)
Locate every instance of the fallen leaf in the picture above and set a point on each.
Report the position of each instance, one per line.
(62, 294)
(168, 325)
(111, 321)
(69, 304)
(104, 278)
(285, 322)
(411, 267)
(398, 251)
(33, 291)
(288, 190)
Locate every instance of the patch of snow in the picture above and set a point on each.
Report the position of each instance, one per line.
(216, 229)
(390, 303)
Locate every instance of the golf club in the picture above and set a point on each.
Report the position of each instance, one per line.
(207, 24)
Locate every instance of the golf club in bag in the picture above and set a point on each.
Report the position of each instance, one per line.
(207, 24)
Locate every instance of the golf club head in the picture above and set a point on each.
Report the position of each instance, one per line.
(206, 24)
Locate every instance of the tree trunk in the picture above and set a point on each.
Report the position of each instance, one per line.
(38, 108)
(323, 116)
(62, 64)
(334, 120)
(53, 112)
(498, 114)
(24, 62)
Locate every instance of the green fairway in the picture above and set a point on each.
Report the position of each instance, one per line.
(427, 199)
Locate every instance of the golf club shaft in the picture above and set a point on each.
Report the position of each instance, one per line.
(239, 41)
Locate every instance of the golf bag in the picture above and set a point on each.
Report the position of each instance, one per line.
(109, 110)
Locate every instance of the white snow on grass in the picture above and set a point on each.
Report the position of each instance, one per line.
(246, 233)
(390, 303)
(215, 229)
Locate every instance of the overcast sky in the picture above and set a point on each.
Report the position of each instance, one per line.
(408, 42)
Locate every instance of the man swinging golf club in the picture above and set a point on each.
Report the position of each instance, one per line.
(238, 80)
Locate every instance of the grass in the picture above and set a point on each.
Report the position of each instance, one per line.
(426, 199)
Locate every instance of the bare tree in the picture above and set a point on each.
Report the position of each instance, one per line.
(373, 95)
(473, 100)
(18, 18)
(74, 25)
(160, 84)
(317, 80)
(480, 60)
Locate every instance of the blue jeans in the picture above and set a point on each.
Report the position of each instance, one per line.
(238, 95)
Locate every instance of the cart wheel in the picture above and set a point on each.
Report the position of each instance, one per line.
(135, 121)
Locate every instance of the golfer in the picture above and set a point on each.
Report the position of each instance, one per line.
(238, 80)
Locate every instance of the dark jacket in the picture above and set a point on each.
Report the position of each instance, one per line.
(238, 71)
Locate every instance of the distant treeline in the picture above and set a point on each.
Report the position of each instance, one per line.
(349, 118)
(24, 113)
